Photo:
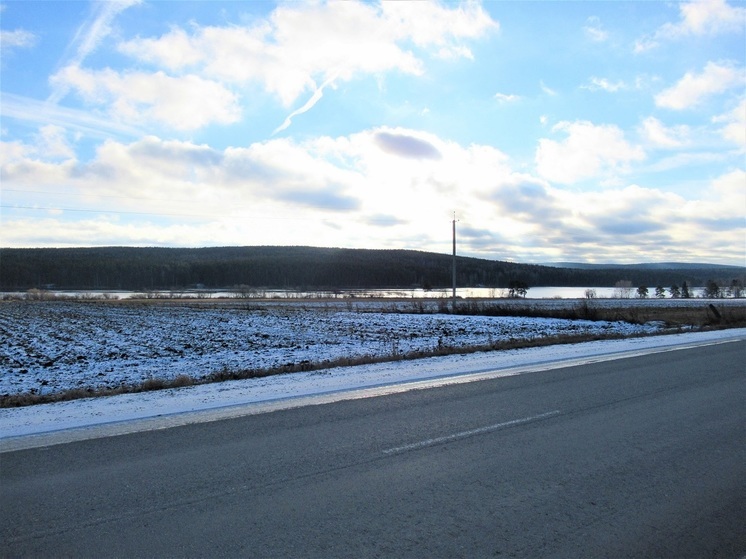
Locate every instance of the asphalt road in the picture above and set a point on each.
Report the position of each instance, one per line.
(639, 457)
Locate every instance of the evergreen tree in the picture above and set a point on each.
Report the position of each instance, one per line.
(685, 291)
(517, 288)
(712, 290)
(736, 288)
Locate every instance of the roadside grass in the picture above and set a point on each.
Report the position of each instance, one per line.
(707, 315)
(674, 319)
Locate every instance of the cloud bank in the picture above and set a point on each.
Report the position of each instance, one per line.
(196, 195)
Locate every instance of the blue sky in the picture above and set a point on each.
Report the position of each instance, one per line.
(556, 131)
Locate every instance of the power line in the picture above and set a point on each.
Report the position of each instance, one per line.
(83, 194)
(122, 212)
(337, 218)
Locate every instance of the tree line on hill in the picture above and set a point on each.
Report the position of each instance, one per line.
(308, 268)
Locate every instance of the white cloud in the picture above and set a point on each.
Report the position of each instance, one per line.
(692, 89)
(507, 97)
(52, 143)
(12, 40)
(181, 103)
(707, 17)
(299, 44)
(20, 38)
(722, 201)
(434, 24)
(700, 17)
(682, 159)
(595, 31)
(730, 189)
(49, 143)
(454, 52)
(546, 89)
(90, 230)
(604, 84)
(735, 124)
(12, 152)
(175, 50)
(665, 137)
(588, 151)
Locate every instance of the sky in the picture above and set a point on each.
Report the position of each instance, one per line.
(599, 132)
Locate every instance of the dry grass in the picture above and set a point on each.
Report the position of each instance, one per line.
(697, 316)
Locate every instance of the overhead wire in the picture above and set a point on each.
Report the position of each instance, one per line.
(337, 217)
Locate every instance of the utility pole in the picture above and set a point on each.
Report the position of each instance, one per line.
(454, 258)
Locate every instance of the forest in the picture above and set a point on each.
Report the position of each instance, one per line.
(308, 268)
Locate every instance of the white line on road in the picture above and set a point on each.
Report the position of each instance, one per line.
(469, 433)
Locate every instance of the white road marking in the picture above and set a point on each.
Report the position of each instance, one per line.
(469, 433)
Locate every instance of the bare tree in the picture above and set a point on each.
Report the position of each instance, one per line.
(623, 289)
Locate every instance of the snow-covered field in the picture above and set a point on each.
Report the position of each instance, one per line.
(57, 345)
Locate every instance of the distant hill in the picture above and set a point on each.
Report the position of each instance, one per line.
(645, 266)
(134, 268)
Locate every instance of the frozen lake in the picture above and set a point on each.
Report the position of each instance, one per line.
(464, 293)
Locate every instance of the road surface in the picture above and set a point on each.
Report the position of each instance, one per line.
(637, 457)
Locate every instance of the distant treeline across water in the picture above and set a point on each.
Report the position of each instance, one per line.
(311, 268)
(240, 292)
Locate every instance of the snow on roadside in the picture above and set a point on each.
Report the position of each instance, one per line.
(47, 418)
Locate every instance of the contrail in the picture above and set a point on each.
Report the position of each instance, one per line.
(318, 94)
(48, 112)
(89, 36)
